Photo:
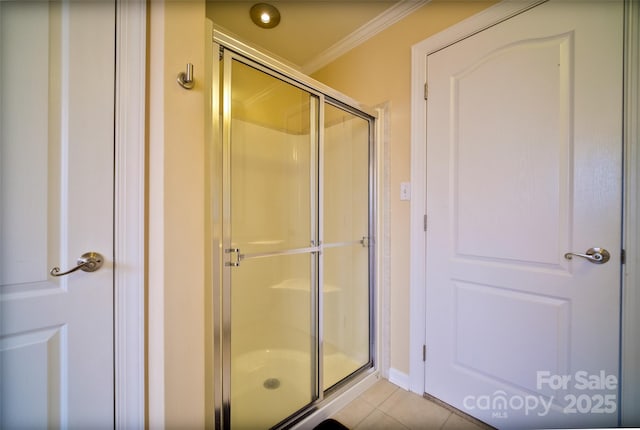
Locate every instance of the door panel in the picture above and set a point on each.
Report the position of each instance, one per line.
(345, 230)
(271, 196)
(33, 363)
(56, 203)
(24, 149)
(528, 224)
(544, 346)
(523, 166)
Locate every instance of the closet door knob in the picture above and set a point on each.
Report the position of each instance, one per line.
(88, 262)
(594, 255)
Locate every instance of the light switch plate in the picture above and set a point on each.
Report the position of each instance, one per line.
(405, 191)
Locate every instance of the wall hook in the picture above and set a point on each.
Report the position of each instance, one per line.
(186, 79)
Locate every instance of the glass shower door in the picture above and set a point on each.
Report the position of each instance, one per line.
(270, 206)
(346, 249)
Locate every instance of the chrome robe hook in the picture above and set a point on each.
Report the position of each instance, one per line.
(186, 79)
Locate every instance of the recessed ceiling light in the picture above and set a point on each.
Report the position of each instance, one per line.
(264, 15)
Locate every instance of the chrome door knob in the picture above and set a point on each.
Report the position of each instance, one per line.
(88, 262)
(594, 255)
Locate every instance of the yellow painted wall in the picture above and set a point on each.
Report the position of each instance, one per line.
(176, 217)
(376, 72)
(379, 71)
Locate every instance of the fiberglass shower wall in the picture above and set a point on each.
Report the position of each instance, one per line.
(296, 292)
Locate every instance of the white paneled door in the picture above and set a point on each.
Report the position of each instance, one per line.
(524, 166)
(56, 203)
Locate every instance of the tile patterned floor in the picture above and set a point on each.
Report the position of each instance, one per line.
(386, 406)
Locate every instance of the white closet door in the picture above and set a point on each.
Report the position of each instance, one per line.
(523, 166)
(56, 203)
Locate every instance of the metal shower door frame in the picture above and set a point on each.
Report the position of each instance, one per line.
(226, 50)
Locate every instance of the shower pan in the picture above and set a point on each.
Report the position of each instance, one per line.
(292, 174)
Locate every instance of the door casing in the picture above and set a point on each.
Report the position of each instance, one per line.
(129, 214)
(630, 375)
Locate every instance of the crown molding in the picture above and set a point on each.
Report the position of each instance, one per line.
(364, 33)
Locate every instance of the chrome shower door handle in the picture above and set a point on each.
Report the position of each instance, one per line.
(594, 255)
(88, 262)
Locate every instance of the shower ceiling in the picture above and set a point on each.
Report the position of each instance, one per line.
(311, 32)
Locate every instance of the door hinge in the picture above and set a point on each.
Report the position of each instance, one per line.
(424, 222)
(424, 352)
(623, 256)
(426, 91)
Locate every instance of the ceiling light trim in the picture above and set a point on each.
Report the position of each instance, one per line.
(364, 33)
(265, 15)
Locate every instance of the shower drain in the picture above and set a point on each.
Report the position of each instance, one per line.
(271, 383)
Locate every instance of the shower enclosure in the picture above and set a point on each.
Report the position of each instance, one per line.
(292, 228)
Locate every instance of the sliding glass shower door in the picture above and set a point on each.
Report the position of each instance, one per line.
(346, 244)
(271, 147)
(296, 292)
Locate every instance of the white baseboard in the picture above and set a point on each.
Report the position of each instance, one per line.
(398, 378)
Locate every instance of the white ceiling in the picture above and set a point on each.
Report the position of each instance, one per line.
(311, 33)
